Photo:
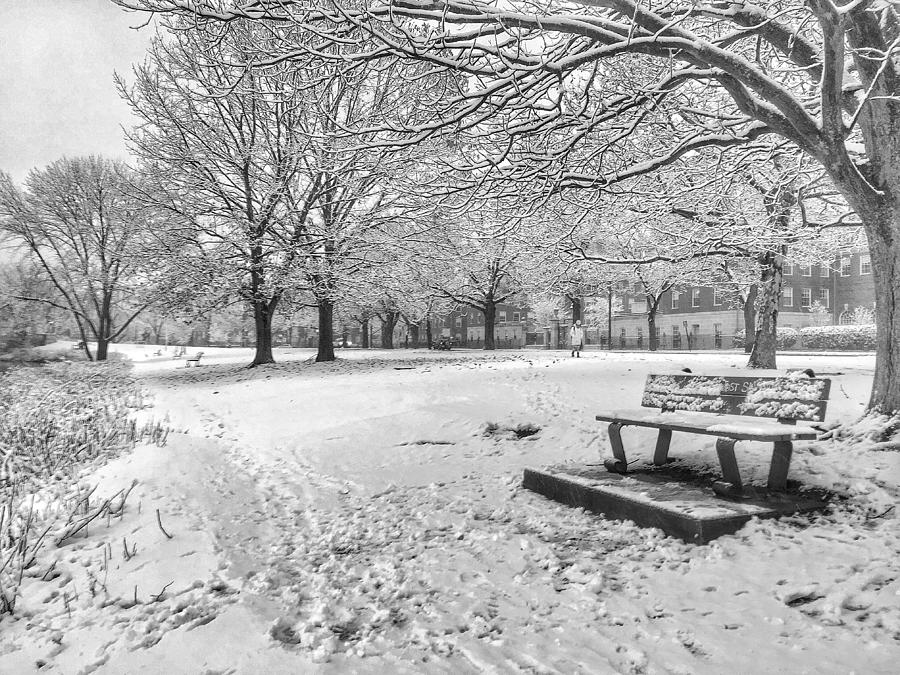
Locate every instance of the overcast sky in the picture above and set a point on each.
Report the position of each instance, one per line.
(57, 96)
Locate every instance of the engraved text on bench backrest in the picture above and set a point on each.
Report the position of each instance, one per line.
(788, 398)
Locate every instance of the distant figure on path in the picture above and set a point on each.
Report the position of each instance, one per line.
(576, 338)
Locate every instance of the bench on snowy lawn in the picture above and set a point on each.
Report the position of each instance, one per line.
(195, 359)
(721, 406)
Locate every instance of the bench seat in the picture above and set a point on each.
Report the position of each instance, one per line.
(732, 426)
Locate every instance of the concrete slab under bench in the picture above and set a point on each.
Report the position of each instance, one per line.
(678, 500)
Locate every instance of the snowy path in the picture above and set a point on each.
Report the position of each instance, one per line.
(353, 516)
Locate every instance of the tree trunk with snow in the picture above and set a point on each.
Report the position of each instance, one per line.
(884, 246)
(652, 309)
(765, 342)
(365, 333)
(749, 310)
(414, 334)
(262, 322)
(429, 338)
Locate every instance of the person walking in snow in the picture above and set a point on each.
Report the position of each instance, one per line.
(576, 339)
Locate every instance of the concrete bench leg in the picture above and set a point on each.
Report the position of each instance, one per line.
(619, 464)
(661, 454)
(732, 485)
(781, 461)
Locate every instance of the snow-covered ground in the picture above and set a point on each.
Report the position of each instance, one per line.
(356, 517)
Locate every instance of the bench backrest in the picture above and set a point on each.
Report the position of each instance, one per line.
(784, 398)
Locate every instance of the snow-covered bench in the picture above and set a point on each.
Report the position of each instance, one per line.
(721, 406)
(195, 359)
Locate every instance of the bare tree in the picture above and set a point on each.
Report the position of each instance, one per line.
(476, 261)
(91, 241)
(222, 146)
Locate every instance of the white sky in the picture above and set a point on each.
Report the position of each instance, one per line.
(57, 96)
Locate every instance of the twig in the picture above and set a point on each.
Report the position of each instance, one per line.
(159, 522)
(128, 555)
(882, 514)
(158, 596)
(74, 528)
(117, 511)
(49, 570)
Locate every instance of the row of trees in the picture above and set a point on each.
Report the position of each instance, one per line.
(602, 97)
(184, 267)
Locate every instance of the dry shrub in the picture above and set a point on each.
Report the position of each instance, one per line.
(54, 420)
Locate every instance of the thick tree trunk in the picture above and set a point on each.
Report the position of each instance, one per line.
(414, 334)
(262, 323)
(428, 336)
(750, 318)
(388, 323)
(102, 349)
(325, 351)
(490, 316)
(886, 276)
(365, 333)
(763, 353)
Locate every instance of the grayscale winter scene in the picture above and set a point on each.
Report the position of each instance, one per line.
(449, 336)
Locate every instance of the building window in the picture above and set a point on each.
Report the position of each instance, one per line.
(787, 296)
(717, 296)
(675, 295)
(501, 315)
(865, 264)
(845, 267)
(824, 297)
(695, 297)
(717, 333)
(458, 321)
(517, 317)
(787, 269)
(845, 319)
(806, 297)
(824, 271)
(805, 270)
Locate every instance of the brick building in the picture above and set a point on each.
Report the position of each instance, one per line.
(706, 317)
(466, 326)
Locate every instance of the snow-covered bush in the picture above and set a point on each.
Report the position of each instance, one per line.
(785, 338)
(839, 337)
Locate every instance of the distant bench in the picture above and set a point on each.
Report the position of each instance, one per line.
(720, 406)
(195, 359)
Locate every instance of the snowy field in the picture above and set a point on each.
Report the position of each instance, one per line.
(355, 517)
